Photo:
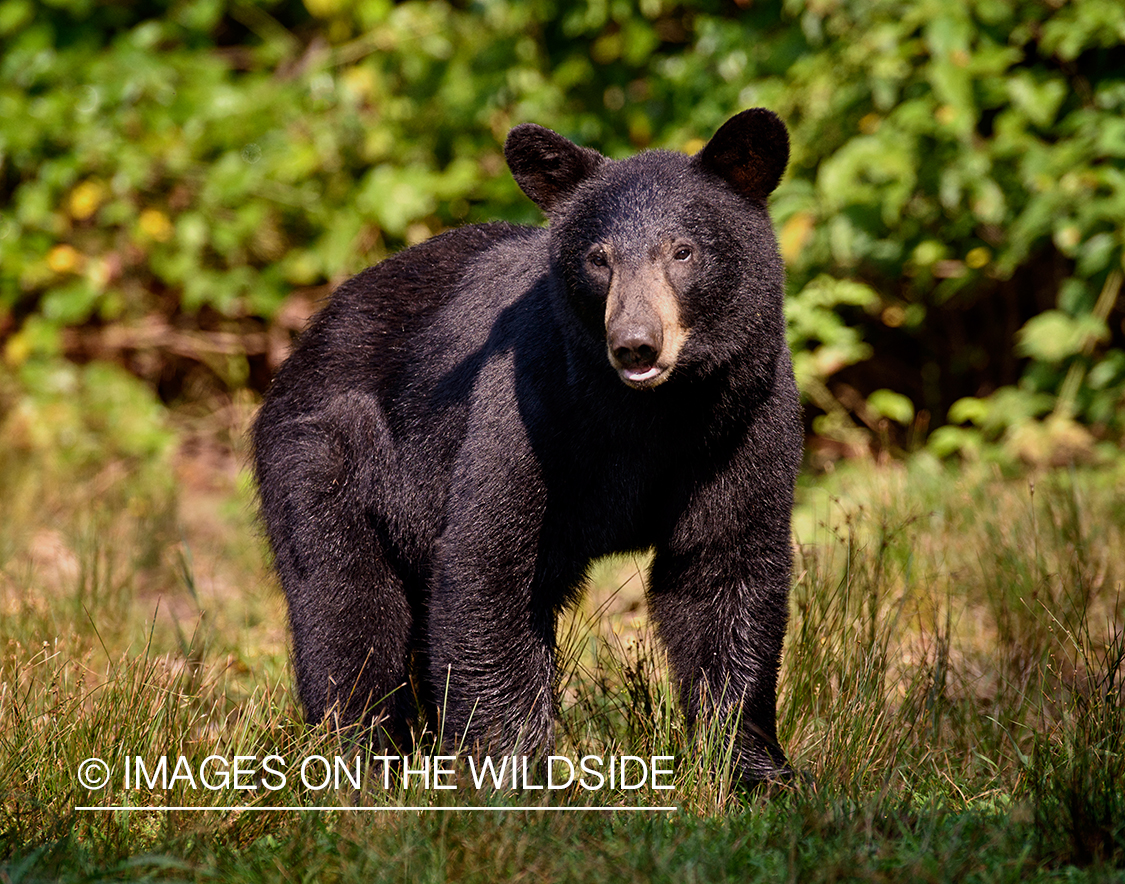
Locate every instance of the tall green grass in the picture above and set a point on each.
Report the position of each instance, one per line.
(951, 693)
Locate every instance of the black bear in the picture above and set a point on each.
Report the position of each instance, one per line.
(466, 425)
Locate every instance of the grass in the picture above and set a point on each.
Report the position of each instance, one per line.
(951, 691)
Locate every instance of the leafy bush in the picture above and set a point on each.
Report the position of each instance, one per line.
(951, 219)
(966, 163)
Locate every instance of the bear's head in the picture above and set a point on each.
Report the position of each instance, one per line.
(667, 261)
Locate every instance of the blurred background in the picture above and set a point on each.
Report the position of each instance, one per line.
(182, 183)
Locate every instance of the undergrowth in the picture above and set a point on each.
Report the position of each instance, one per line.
(951, 695)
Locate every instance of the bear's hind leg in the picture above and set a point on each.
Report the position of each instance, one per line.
(349, 611)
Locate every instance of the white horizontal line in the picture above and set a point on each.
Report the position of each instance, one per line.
(317, 807)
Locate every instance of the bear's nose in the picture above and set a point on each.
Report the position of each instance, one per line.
(636, 346)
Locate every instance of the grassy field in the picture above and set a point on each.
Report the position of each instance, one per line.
(951, 691)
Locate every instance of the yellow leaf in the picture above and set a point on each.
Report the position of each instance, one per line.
(85, 199)
(869, 123)
(64, 258)
(326, 8)
(794, 235)
(155, 225)
(17, 349)
(977, 258)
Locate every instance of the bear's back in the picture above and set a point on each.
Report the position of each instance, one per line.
(364, 337)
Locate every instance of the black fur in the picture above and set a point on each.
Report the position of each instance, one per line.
(450, 445)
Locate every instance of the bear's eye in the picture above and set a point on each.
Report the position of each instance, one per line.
(598, 258)
(683, 253)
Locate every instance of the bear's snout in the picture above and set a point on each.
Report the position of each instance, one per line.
(642, 327)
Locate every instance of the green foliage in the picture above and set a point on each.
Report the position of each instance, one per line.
(967, 163)
(94, 427)
(951, 219)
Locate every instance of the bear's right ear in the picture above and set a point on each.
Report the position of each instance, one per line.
(546, 166)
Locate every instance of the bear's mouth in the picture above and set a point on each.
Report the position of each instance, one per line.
(641, 376)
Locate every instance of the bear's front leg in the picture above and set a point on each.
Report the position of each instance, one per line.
(490, 634)
(721, 611)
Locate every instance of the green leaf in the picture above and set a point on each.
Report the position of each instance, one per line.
(892, 405)
(968, 410)
(1053, 336)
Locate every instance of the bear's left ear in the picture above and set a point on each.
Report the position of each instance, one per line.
(749, 152)
(546, 166)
